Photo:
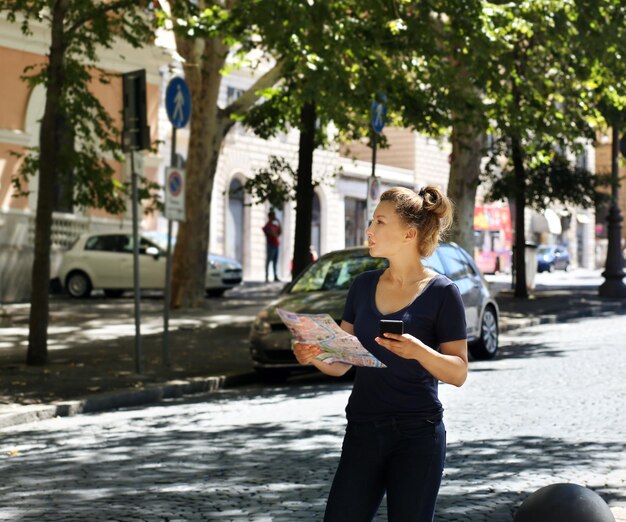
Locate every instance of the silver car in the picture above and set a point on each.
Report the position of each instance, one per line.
(323, 287)
(104, 261)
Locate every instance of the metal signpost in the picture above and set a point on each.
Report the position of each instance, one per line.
(135, 137)
(178, 107)
(379, 112)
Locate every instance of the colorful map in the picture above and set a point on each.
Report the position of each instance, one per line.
(336, 345)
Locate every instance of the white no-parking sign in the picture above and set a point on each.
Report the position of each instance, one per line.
(175, 194)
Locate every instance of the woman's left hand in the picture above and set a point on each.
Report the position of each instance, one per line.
(404, 345)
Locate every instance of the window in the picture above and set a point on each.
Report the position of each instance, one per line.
(316, 224)
(335, 273)
(232, 93)
(355, 221)
(110, 243)
(434, 262)
(457, 267)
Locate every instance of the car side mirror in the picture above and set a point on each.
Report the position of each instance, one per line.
(154, 252)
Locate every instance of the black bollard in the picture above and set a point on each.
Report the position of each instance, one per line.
(564, 503)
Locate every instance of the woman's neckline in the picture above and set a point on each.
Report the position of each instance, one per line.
(420, 294)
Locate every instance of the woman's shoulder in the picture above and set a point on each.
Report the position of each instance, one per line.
(443, 283)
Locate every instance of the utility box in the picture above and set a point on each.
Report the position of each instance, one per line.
(530, 258)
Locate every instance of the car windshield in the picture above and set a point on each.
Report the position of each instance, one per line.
(335, 272)
(544, 250)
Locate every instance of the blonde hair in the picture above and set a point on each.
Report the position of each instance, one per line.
(429, 211)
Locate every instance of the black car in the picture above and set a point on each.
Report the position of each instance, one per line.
(323, 287)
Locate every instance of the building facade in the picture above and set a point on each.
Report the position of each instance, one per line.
(21, 110)
(339, 207)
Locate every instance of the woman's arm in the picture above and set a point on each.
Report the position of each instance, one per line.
(449, 365)
(306, 353)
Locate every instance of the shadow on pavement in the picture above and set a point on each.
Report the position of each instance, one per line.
(214, 469)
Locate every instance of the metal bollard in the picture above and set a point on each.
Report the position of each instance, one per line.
(564, 503)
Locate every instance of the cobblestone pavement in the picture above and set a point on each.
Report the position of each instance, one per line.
(549, 409)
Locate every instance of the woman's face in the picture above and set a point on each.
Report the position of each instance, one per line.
(387, 233)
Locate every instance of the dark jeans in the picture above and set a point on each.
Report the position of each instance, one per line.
(272, 257)
(402, 457)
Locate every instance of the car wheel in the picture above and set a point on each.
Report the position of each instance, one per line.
(551, 267)
(487, 345)
(272, 375)
(113, 292)
(216, 292)
(78, 284)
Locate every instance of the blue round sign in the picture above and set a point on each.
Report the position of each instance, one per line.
(379, 112)
(178, 102)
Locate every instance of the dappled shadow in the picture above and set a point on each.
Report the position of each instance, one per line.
(489, 479)
(104, 366)
(156, 467)
(526, 350)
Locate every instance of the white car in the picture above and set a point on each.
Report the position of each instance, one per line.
(105, 261)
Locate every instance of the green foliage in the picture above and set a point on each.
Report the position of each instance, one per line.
(93, 141)
(276, 183)
(551, 75)
(555, 181)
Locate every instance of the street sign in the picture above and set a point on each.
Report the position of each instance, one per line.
(175, 194)
(379, 112)
(178, 102)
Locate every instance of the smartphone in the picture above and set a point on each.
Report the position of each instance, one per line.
(391, 326)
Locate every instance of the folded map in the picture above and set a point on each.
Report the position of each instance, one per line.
(336, 345)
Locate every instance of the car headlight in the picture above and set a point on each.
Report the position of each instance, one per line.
(261, 324)
(215, 265)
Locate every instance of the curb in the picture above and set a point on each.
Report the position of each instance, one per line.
(114, 400)
(176, 389)
(592, 310)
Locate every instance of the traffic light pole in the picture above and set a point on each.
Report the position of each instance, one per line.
(135, 203)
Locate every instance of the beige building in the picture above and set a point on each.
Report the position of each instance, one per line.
(20, 112)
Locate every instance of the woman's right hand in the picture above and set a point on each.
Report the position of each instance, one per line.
(305, 353)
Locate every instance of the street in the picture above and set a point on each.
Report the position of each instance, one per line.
(548, 409)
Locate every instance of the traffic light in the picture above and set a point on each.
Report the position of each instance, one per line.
(136, 133)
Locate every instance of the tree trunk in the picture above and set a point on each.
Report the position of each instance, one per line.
(50, 141)
(207, 131)
(521, 290)
(304, 189)
(467, 152)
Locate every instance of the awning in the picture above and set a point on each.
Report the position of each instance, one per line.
(554, 222)
(547, 222)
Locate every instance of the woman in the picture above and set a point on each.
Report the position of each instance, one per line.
(395, 437)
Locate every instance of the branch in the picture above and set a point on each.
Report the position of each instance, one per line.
(245, 102)
(103, 8)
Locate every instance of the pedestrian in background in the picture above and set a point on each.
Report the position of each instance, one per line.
(272, 231)
(395, 440)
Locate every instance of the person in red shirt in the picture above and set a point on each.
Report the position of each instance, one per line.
(272, 231)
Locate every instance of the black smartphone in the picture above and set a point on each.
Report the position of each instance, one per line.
(391, 326)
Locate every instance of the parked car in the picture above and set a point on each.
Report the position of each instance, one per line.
(230, 269)
(104, 261)
(552, 257)
(323, 286)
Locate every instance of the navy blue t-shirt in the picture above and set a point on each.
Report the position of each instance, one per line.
(404, 388)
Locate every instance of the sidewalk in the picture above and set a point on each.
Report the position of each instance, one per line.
(92, 353)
